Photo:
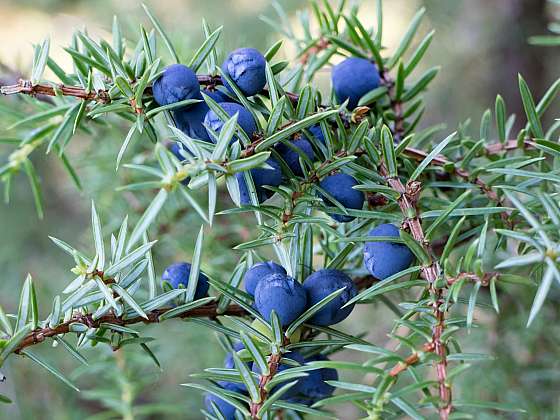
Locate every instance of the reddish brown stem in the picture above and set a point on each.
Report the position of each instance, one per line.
(408, 204)
(209, 310)
(445, 393)
(27, 88)
(411, 360)
(273, 363)
(408, 200)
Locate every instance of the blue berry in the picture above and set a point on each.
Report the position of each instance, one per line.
(339, 186)
(282, 294)
(321, 284)
(217, 95)
(246, 67)
(294, 390)
(178, 274)
(353, 78)
(229, 363)
(383, 259)
(177, 149)
(259, 271)
(261, 176)
(190, 120)
(177, 83)
(226, 409)
(317, 132)
(314, 387)
(244, 119)
(291, 157)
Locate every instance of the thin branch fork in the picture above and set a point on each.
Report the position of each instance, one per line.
(411, 360)
(442, 161)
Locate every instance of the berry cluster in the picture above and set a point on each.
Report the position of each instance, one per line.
(246, 68)
(273, 290)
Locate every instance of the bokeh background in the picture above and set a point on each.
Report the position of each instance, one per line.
(481, 46)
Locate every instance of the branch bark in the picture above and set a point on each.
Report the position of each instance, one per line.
(26, 87)
(408, 200)
(209, 310)
(411, 360)
(273, 364)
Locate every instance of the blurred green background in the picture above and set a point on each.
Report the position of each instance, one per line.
(481, 46)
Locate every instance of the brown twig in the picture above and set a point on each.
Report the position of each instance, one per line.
(445, 393)
(320, 45)
(210, 310)
(273, 364)
(408, 203)
(411, 360)
(497, 148)
(484, 280)
(28, 88)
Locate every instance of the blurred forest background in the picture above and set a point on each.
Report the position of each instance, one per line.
(481, 46)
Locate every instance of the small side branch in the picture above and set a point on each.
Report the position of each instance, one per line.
(411, 360)
(484, 280)
(27, 88)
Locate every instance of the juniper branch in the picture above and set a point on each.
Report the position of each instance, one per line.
(273, 364)
(408, 200)
(210, 310)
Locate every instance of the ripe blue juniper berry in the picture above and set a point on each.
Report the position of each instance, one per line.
(291, 157)
(246, 67)
(177, 274)
(177, 83)
(258, 271)
(230, 364)
(177, 150)
(340, 187)
(353, 78)
(383, 259)
(244, 119)
(321, 284)
(282, 294)
(317, 132)
(261, 177)
(225, 409)
(314, 386)
(190, 119)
